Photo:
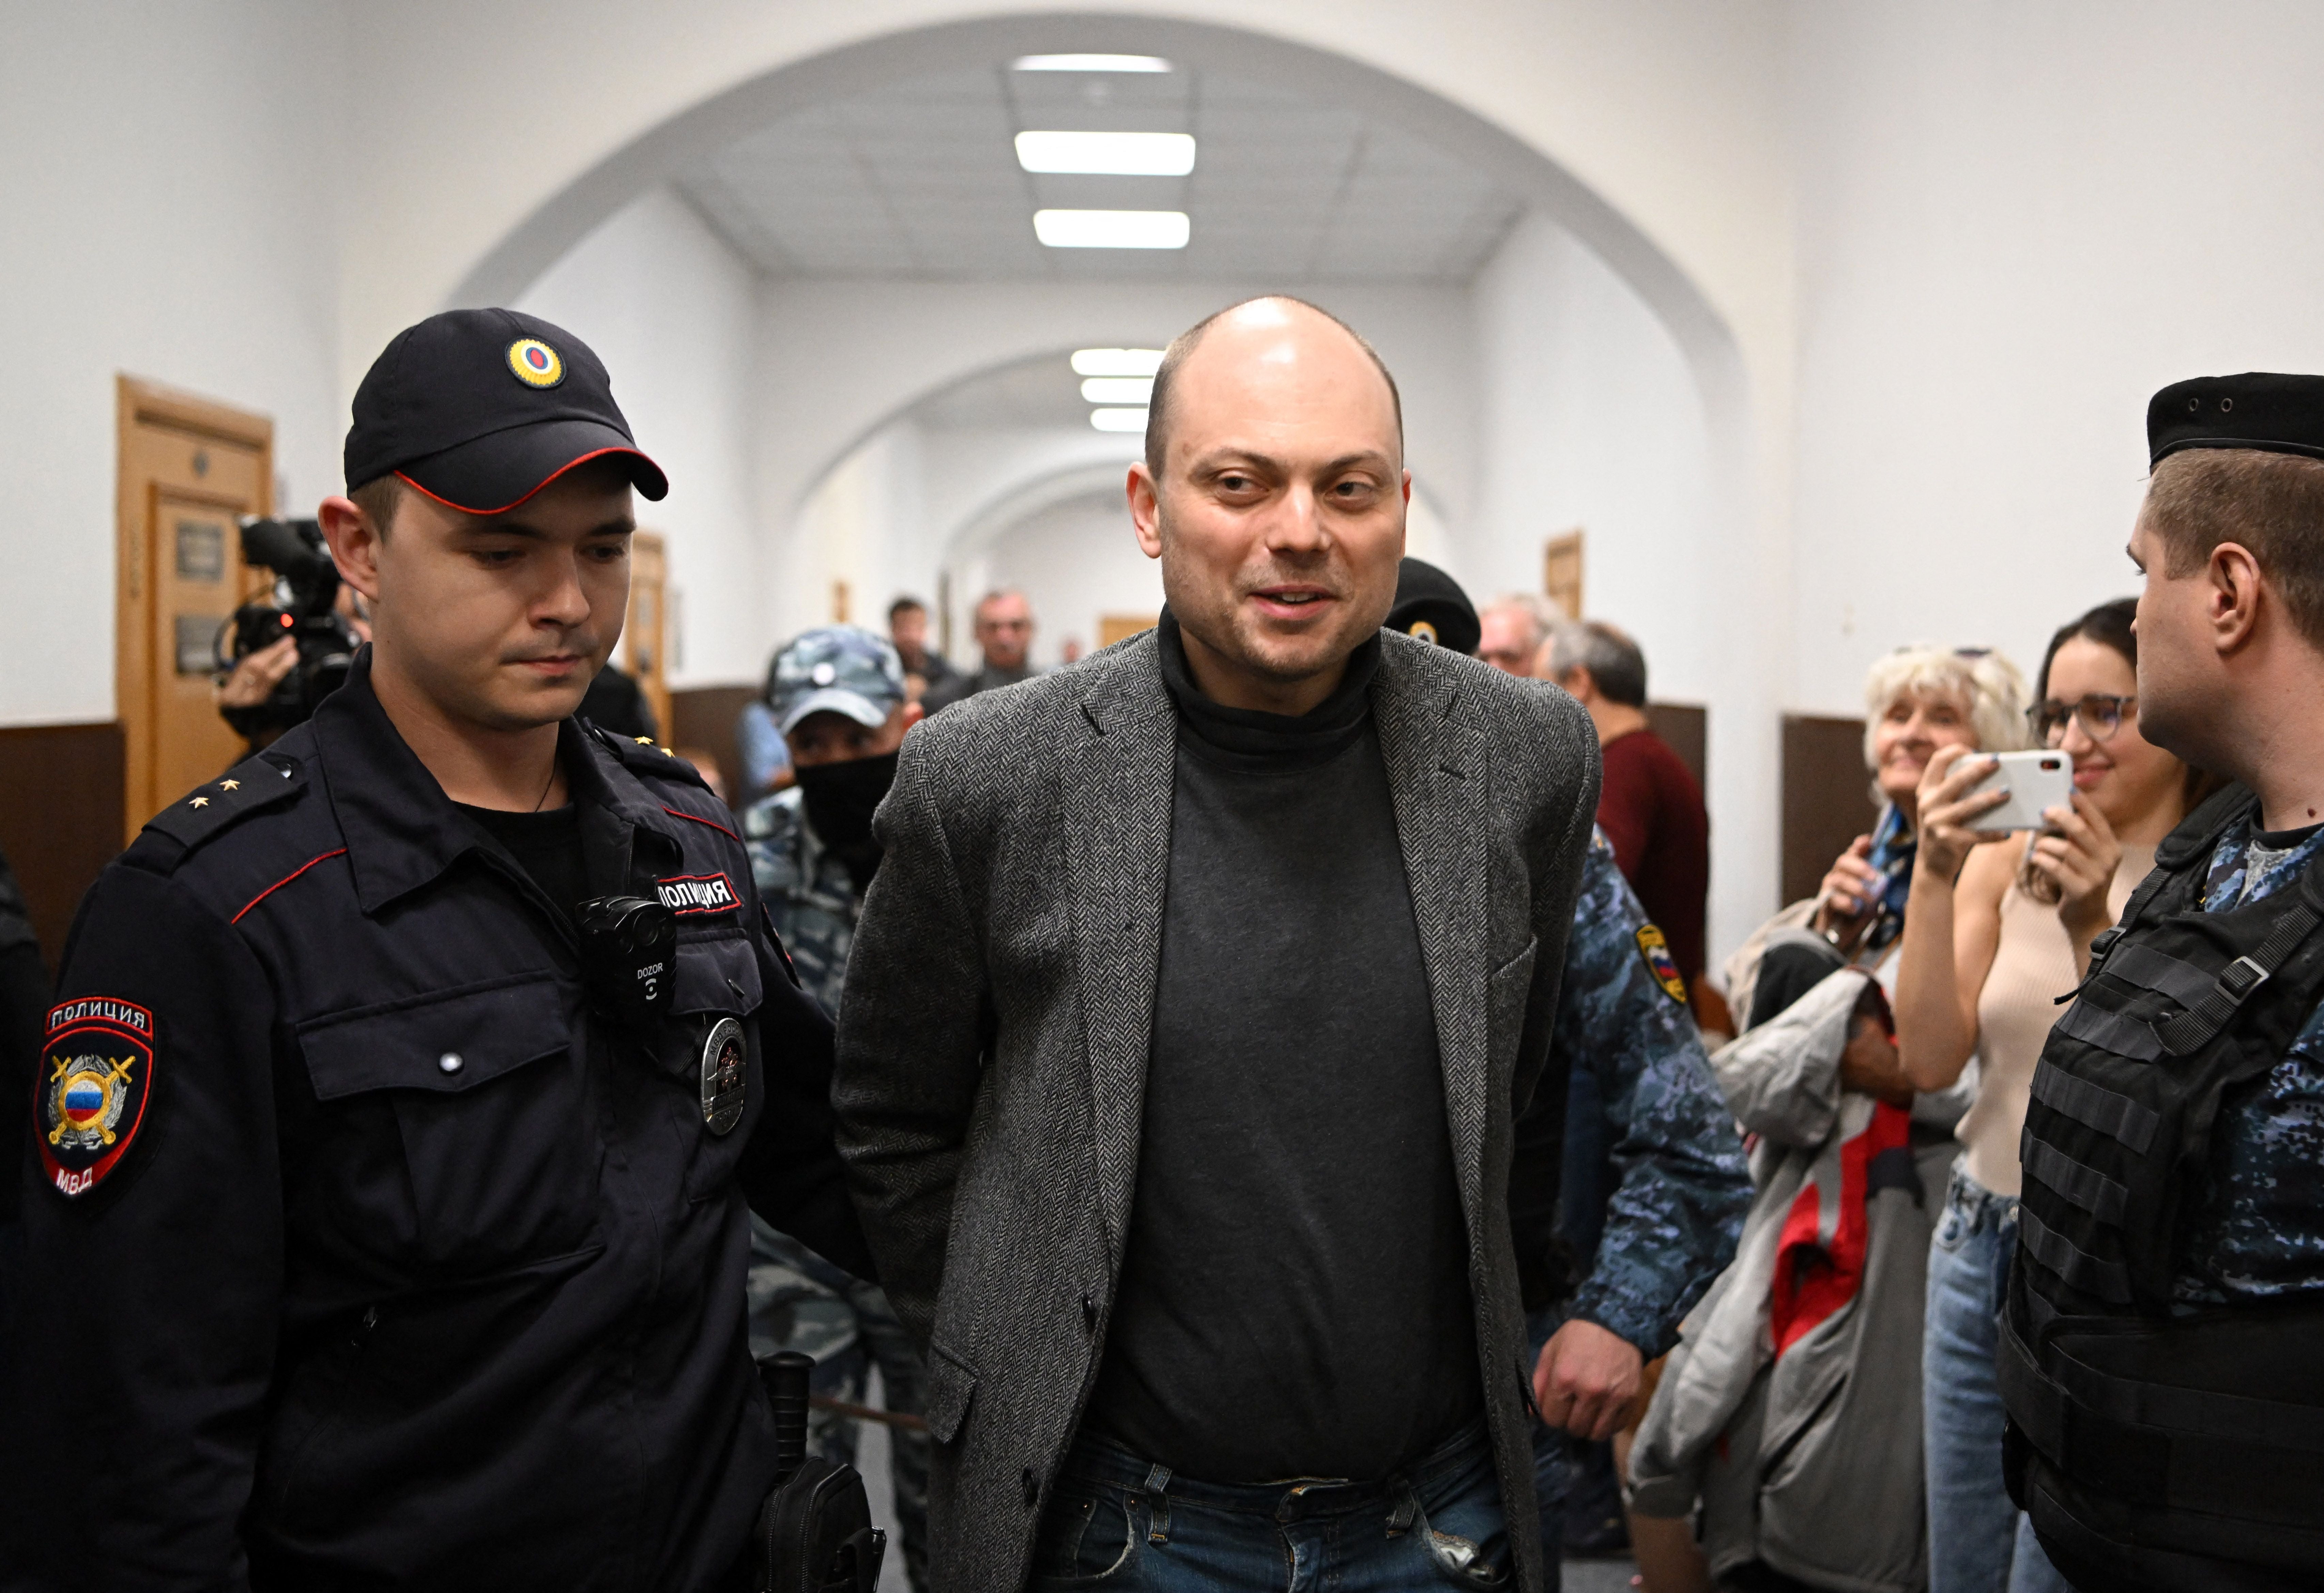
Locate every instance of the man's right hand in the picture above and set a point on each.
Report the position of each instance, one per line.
(256, 676)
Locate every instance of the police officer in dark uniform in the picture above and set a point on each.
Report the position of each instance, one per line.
(2162, 1352)
(405, 1087)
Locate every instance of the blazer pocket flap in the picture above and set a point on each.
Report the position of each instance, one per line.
(1517, 969)
(952, 1384)
(445, 1044)
(717, 975)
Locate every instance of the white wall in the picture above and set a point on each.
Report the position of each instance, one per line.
(169, 193)
(2017, 223)
(673, 312)
(1590, 417)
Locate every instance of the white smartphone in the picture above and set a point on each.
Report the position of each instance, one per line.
(2034, 780)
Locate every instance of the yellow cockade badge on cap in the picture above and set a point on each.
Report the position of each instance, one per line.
(535, 363)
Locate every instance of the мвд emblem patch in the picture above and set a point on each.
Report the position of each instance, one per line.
(1655, 949)
(96, 1083)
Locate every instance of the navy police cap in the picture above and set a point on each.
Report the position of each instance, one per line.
(2257, 409)
(481, 408)
(1430, 604)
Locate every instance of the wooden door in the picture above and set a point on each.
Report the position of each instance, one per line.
(645, 635)
(1113, 628)
(188, 470)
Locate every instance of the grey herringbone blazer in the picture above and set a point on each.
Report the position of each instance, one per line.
(995, 1032)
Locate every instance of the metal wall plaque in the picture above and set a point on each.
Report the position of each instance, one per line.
(201, 550)
(197, 636)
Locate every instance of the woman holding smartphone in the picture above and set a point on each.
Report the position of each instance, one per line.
(2001, 925)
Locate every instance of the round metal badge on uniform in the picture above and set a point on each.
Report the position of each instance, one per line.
(535, 363)
(722, 1085)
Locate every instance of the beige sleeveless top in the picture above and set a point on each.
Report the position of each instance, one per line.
(2033, 966)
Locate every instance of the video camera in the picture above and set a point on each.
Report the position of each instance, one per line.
(305, 590)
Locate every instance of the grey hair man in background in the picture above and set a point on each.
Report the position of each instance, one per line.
(1004, 630)
(1190, 1026)
(1515, 627)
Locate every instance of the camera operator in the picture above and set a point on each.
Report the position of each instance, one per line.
(293, 651)
(247, 687)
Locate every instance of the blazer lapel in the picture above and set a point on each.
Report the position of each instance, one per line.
(1116, 804)
(1436, 781)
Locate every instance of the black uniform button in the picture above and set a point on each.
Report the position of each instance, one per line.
(1089, 1314)
(450, 1061)
(1032, 1488)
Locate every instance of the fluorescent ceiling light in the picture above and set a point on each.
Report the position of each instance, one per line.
(1090, 63)
(1111, 229)
(1116, 362)
(1118, 390)
(1108, 155)
(1118, 420)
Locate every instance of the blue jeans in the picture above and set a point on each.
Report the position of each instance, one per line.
(1978, 1541)
(1119, 1521)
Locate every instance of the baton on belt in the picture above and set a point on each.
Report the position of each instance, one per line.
(839, 1407)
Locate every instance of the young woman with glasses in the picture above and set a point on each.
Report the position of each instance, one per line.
(2001, 925)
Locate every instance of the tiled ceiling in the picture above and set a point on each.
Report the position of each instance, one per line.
(920, 180)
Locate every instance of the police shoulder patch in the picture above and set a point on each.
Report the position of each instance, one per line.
(693, 895)
(97, 1080)
(1655, 949)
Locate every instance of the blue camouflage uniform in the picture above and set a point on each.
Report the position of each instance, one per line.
(808, 891)
(797, 1300)
(2258, 1232)
(1678, 1206)
(1670, 1225)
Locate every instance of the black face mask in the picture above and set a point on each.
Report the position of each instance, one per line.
(840, 798)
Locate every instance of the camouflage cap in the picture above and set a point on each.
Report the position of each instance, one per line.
(836, 669)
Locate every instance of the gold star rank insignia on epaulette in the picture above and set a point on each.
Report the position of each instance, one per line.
(1655, 949)
(643, 741)
(200, 801)
(230, 785)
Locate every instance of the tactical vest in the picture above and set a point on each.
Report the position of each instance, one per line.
(2156, 1449)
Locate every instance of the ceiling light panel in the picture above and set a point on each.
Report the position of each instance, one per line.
(1116, 362)
(1111, 229)
(1107, 154)
(1117, 389)
(1118, 420)
(1090, 63)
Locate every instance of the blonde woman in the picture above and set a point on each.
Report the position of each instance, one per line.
(1919, 701)
(2000, 927)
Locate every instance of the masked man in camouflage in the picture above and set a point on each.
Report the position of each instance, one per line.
(838, 697)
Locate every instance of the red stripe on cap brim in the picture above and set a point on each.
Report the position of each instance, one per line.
(405, 477)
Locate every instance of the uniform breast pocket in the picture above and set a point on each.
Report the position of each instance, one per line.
(709, 1050)
(488, 1088)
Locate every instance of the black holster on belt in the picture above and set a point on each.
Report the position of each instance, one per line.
(815, 1532)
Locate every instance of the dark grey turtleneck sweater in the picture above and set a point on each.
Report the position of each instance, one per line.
(1295, 1298)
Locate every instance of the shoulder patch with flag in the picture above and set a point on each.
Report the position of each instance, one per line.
(1655, 949)
(97, 1080)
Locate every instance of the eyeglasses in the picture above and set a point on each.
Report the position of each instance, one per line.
(2100, 717)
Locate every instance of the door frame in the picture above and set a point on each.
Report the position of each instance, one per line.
(140, 403)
